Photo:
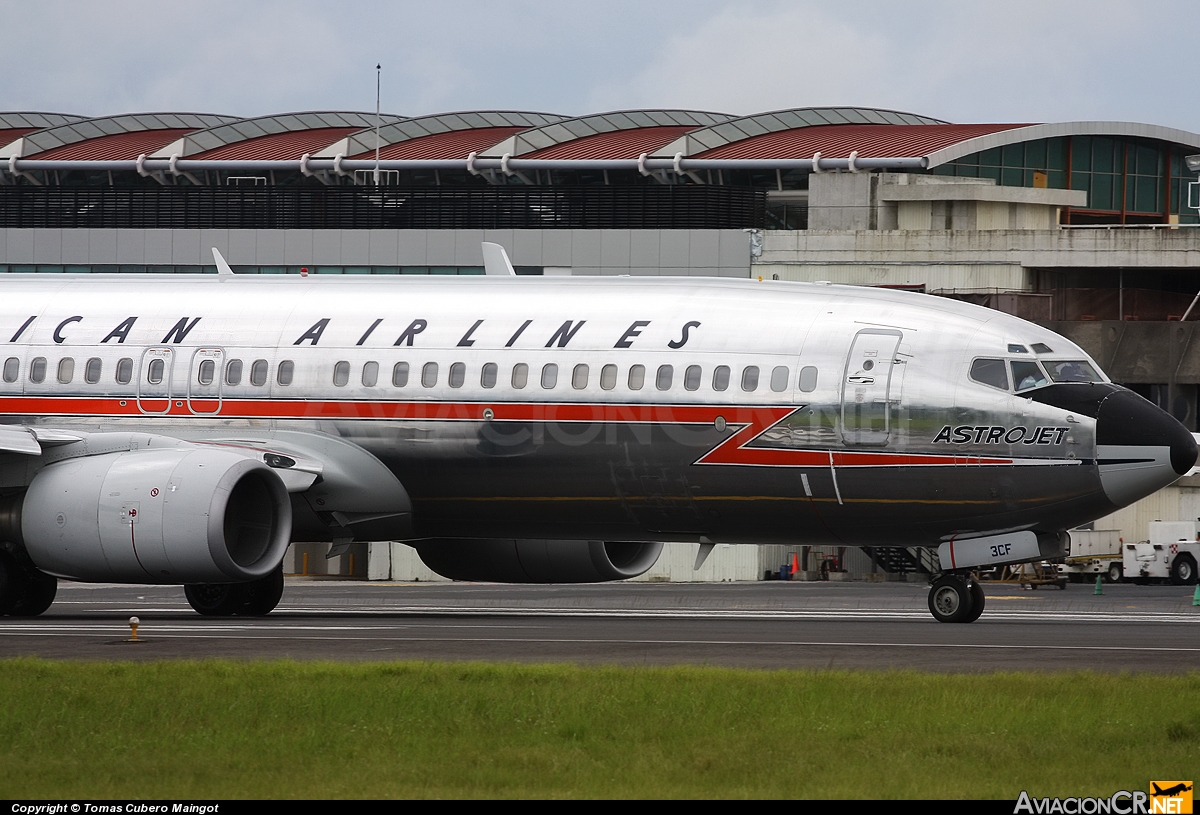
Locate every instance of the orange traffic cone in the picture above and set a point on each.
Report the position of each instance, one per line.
(795, 564)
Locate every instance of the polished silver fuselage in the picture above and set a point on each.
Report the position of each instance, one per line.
(873, 434)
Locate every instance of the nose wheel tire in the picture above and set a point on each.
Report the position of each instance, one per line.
(955, 599)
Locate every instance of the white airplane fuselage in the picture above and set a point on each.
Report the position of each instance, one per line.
(608, 409)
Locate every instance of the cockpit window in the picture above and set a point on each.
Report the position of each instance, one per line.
(1073, 370)
(990, 372)
(1028, 375)
(1041, 348)
(1013, 348)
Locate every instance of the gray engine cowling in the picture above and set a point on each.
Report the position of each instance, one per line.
(537, 561)
(180, 515)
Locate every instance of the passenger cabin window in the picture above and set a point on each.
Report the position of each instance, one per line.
(204, 374)
(637, 377)
(808, 379)
(12, 369)
(721, 378)
(37, 370)
(1027, 375)
(91, 371)
(370, 374)
(549, 375)
(258, 372)
(400, 374)
(125, 370)
(520, 375)
(285, 372)
(663, 380)
(608, 377)
(155, 370)
(489, 374)
(750, 378)
(341, 374)
(579, 377)
(66, 370)
(1074, 370)
(691, 378)
(779, 378)
(990, 372)
(429, 374)
(458, 374)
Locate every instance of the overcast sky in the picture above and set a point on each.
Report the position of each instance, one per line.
(997, 61)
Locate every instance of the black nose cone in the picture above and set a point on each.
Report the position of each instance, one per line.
(1124, 418)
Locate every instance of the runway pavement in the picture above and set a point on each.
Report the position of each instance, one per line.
(765, 625)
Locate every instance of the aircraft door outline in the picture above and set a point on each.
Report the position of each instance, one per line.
(205, 377)
(154, 381)
(866, 410)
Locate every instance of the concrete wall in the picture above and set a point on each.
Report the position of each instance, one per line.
(1006, 277)
(700, 252)
(1177, 248)
(1178, 502)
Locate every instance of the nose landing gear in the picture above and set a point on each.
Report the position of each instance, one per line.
(956, 598)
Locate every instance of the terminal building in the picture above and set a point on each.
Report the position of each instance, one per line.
(1088, 228)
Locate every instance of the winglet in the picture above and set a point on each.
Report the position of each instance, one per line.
(222, 267)
(495, 260)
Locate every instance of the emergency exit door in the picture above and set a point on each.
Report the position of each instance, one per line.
(868, 389)
(204, 381)
(154, 380)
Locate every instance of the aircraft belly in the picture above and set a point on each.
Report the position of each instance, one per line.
(615, 482)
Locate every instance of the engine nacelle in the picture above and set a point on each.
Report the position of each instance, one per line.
(179, 515)
(537, 561)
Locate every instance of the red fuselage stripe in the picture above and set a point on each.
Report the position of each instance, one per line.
(749, 422)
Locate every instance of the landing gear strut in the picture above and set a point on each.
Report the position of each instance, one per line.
(956, 598)
(253, 599)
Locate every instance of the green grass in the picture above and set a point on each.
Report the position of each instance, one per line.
(218, 729)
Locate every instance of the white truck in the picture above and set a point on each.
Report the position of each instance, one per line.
(1094, 552)
(1171, 554)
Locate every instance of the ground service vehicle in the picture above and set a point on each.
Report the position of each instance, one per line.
(1171, 553)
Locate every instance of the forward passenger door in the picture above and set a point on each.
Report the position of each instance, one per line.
(868, 389)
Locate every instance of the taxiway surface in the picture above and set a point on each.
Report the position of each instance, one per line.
(766, 625)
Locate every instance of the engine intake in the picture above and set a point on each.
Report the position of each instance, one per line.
(537, 561)
(180, 515)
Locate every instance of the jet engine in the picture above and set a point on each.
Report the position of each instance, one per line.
(537, 561)
(185, 514)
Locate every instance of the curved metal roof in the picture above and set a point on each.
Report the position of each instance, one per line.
(82, 130)
(15, 125)
(32, 120)
(568, 130)
(839, 141)
(1023, 133)
(710, 138)
(491, 126)
(240, 130)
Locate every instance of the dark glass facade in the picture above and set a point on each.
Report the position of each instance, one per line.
(1127, 180)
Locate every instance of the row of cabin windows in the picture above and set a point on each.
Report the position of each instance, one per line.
(155, 371)
(489, 374)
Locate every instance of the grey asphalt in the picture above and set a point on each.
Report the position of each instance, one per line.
(763, 625)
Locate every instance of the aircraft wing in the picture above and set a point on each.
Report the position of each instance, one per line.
(21, 440)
